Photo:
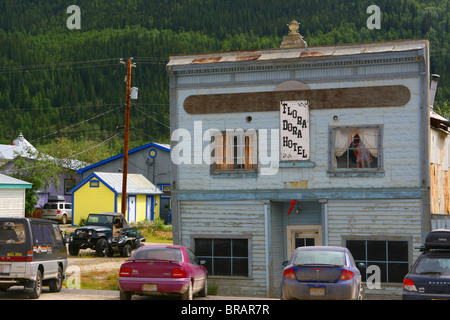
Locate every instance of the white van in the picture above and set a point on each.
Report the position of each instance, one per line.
(32, 254)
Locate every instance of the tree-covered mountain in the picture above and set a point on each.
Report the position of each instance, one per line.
(57, 82)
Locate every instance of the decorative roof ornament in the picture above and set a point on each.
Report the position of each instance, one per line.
(293, 39)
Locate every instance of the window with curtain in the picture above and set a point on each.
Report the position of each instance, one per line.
(356, 149)
(234, 151)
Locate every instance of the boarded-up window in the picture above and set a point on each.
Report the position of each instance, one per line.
(234, 150)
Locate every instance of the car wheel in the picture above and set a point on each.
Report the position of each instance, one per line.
(37, 286)
(101, 247)
(109, 251)
(73, 249)
(125, 295)
(64, 219)
(188, 295)
(204, 292)
(56, 284)
(125, 251)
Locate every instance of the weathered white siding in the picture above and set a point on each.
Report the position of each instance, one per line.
(390, 219)
(213, 219)
(400, 144)
(12, 202)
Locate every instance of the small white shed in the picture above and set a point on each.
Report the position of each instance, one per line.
(12, 196)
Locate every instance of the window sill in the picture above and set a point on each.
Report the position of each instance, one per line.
(357, 174)
(297, 164)
(230, 277)
(233, 174)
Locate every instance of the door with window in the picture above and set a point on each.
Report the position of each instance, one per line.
(301, 236)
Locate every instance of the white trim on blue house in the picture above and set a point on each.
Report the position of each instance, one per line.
(95, 165)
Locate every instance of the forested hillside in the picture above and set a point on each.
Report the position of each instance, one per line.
(58, 83)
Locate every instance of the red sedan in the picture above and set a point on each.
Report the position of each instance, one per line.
(163, 270)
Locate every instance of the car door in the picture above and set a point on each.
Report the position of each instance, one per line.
(199, 271)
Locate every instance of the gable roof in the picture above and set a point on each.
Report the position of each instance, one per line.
(136, 183)
(10, 182)
(160, 146)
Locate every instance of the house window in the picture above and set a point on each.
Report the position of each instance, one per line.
(94, 184)
(356, 149)
(234, 150)
(224, 257)
(391, 257)
(69, 184)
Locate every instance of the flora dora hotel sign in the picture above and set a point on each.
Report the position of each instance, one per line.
(294, 130)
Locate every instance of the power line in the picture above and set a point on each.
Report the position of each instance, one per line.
(76, 124)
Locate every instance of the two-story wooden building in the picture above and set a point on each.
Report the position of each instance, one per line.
(275, 149)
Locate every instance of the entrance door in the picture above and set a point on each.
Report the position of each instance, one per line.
(131, 208)
(300, 236)
(150, 208)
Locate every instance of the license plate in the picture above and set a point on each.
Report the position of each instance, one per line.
(149, 287)
(5, 269)
(317, 292)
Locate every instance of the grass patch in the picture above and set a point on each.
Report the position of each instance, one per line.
(155, 231)
(99, 280)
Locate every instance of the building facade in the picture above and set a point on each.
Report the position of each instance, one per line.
(275, 149)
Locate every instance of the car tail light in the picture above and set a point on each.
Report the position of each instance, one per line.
(289, 274)
(178, 273)
(58, 212)
(346, 275)
(30, 255)
(409, 285)
(124, 272)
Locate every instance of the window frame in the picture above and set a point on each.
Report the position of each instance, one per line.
(387, 261)
(69, 184)
(355, 172)
(225, 237)
(248, 149)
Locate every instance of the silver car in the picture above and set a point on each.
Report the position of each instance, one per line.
(61, 211)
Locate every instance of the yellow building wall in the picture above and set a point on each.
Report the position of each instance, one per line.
(89, 199)
(157, 206)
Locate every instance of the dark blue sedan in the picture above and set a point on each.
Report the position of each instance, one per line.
(321, 272)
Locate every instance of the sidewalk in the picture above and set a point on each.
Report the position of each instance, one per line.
(393, 292)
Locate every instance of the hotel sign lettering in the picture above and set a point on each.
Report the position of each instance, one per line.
(294, 129)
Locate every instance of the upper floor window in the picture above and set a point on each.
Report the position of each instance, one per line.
(356, 149)
(234, 150)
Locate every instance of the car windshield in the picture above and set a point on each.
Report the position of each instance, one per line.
(172, 254)
(97, 219)
(321, 257)
(433, 264)
(12, 232)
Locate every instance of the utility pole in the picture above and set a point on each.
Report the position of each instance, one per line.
(126, 138)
